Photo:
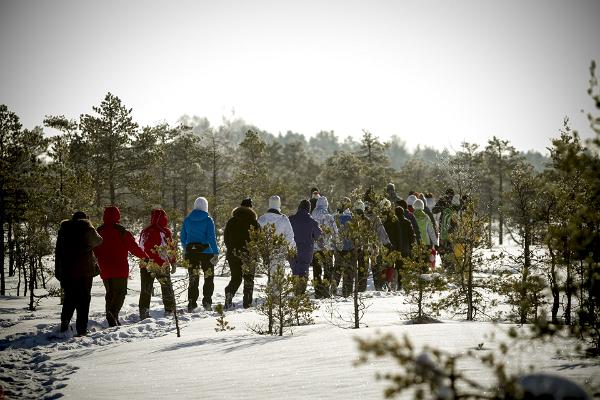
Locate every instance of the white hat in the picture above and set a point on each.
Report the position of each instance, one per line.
(385, 203)
(275, 203)
(456, 200)
(411, 199)
(418, 205)
(201, 204)
(359, 205)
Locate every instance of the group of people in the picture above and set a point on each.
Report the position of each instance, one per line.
(315, 232)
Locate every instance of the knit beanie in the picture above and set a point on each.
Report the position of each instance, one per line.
(201, 204)
(275, 203)
(418, 204)
(247, 202)
(411, 199)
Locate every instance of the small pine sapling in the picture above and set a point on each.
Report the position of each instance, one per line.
(266, 253)
(468, 291)
(420, 284)
(222, 323)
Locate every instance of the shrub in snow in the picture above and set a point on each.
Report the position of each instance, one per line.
(283, 305)
(468, 292)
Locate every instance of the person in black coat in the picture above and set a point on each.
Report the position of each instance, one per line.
(406, 239)
(75, 267)
(237, 233)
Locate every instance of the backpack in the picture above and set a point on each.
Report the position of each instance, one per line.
(446, 223)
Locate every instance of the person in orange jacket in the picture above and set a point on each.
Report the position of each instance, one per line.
(112, 254)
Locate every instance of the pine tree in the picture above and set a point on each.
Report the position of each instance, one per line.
(110, 133)
(500, 156)
(222, 323)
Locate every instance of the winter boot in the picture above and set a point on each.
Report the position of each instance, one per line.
(112, 321)
(144, 313)
(64, 326)
(228, 301)
(207, 306)
(247, 299)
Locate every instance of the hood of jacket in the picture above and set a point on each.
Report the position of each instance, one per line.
(420, 214)
(111, 216)
(322, 203)
(271, 218)
(197, 215)
(158, 217)
(245, 213)
(71, 225)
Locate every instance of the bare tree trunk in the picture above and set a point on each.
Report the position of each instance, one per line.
(2, 278)
(11, 250)
(554, 288)
(32, 282)
(41, 268)
(523, 308)
(470, 291)
(500, 211)
(355, 294)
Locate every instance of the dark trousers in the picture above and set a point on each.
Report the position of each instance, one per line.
(323, 266)
(203, 261)
(147, 283)
(379, 279)
(354, 266)
(116, 290)
(77, 297)
(237, 274)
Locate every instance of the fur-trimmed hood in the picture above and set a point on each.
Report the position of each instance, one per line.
(244, 212)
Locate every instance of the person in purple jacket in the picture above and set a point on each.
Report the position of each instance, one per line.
(306, 231)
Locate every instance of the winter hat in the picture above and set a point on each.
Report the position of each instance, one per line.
(304, 205)
(359, 205)
(385, 204)
(314, 193)
(390, 187)
(411, 199)
(400, 212)
(275, 203)
(201, 204)
(322, 203)
(418, 204)
(247, 202)
(456, 200)
(112, 215)
(402, 203)
(449, 192)
(345, 203)
(79, 215)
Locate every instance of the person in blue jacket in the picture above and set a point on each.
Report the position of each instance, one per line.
(199, 242)
(306, 231)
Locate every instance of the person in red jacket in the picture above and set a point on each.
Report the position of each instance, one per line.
(112, 259)
(156, 234)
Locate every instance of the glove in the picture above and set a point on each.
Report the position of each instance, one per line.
(214, 260)
(173, 268)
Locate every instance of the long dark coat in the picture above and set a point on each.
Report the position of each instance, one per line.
(74, 258)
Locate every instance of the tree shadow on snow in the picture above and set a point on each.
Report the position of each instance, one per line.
(231, 344)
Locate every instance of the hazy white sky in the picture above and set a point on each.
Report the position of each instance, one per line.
(433, 72)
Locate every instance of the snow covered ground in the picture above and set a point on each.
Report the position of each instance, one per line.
(145, 359)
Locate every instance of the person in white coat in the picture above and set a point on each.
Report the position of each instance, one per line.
(282, 225)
